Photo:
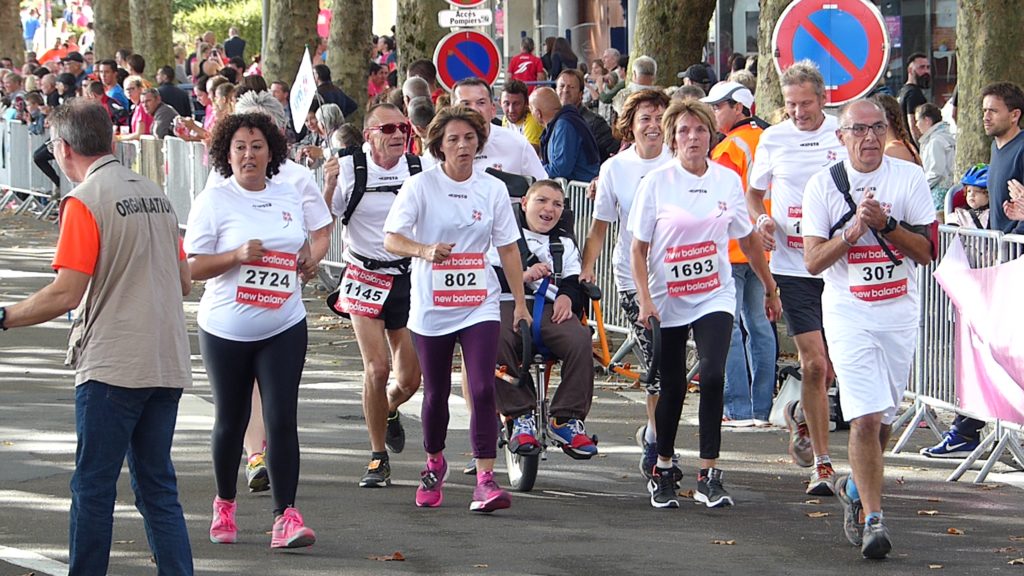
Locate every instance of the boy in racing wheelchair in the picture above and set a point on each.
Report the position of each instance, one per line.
(552, 264)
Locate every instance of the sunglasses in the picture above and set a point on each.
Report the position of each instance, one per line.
(389, 129)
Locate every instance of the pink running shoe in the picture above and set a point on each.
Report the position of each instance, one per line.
(291, 532)
(428, 493)
(488, 496)
(223, 529)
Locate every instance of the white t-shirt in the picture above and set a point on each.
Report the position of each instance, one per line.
(315, 214)
(474, 215)
(223, 218)
(540, 246)
(872, 292)
(688, 221)
(616, 186)
(364, 233)
(785, 160)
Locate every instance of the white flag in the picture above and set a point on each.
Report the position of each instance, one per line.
(303, 92)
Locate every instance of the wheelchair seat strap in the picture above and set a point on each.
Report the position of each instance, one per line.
(538, 313)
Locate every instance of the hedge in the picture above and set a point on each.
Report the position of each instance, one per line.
(246, 15)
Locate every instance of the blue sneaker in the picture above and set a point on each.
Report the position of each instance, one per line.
(649, 456)
(572, 438)
(523, 440)
(953, 445)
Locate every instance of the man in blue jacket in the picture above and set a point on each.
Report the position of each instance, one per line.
(567, 148)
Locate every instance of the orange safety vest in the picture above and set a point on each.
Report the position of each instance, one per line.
(736, 152)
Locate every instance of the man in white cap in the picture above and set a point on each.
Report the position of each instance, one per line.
(748, 394)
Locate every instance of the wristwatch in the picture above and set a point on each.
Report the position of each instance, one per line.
(3, 318)
(890, 225)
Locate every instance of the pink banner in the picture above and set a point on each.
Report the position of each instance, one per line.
(990, 334)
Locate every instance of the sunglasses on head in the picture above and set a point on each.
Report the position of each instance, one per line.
(389, 129)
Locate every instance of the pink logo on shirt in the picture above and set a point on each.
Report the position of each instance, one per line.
(722, 207)
(832, 156)
(287, 217)
(477, 215)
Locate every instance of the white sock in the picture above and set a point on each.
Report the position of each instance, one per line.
(650, 433)
(664, 464)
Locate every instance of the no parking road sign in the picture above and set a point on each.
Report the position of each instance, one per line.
(466, 54)
(847, 39)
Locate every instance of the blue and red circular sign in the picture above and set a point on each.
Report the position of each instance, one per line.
(466, 54)
(847, 39)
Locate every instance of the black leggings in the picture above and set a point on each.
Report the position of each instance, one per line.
(42, 158)
(712, 334)
(276, 363)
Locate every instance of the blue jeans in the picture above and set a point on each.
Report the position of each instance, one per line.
(748, 393)
(112, 422)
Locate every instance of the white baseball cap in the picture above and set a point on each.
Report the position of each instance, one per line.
(729, 91)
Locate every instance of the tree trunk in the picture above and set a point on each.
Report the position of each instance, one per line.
(12, 36)
(417, 31)
(986, 32)
(674, 33)
(350, 40)
(112, 24)
(151, 26)
(292, 27)
(769, 93)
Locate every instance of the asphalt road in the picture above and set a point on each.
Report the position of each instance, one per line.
(582, 517)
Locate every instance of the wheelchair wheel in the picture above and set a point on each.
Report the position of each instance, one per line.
(522, 470)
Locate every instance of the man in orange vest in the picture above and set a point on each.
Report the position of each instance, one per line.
(748, 393)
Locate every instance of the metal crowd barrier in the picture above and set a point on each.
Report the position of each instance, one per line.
(933, 383)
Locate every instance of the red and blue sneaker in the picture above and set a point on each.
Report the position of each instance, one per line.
(571, 437)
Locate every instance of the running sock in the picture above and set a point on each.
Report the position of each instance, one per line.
(851, 489)
(435, 464)
(379, 455)
(484, 476)
(650, 433)
(823, 459)
(873, 518)
(664, 464)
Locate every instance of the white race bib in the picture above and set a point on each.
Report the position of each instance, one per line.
(794, 236)
(268, 282)
(872, 275)
(692, 269)
(362, 293)
(460, 280)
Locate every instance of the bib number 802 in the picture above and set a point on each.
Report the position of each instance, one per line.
(453, 279)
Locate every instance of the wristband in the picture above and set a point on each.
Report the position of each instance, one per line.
(761, 220)
(845, 241)
(3, 319)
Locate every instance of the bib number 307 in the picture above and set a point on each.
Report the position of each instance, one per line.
(460, 281)
(872, 275)
(691, 269)
(268, 282)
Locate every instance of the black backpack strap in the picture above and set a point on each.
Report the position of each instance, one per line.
(842, 182)
(557, 250)
(415, 164)
(359, 187)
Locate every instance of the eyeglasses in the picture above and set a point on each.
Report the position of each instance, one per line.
(389, 129)
(51, 143)
(861, 130)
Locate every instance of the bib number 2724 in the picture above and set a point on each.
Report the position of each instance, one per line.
(460, 280)
(269, 281)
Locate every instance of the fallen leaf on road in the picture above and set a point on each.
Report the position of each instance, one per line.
(991, 486)
(935, 566)
(396, 557)
(124, 541)
(1007, 550)
(480, 566)
(927, 512)
(1016, 562)
(686, 494)
(901, 481)
(8, 443)
(1016, 538)
(724, 542)
(933, 499)
(955, 531)
(817, 514)
(813, 501)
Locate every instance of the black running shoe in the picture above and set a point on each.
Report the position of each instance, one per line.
(378, 474)
(853, 528)
(876, 544)
(395, 438)
(662, 487)
(710, 490)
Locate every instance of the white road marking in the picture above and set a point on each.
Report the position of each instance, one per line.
(32, 561)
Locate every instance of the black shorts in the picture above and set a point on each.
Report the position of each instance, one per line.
(801, 303)
(395, 311)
